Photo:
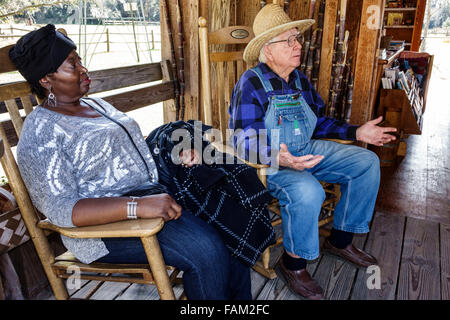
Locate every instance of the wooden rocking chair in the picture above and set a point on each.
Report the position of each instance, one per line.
(63, 266)
(229, 66)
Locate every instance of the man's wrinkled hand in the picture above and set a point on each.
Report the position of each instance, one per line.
(286, 159)
(373, 134)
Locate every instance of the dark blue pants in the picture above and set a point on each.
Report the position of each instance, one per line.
(194, 247)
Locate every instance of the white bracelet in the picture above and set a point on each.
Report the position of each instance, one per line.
(131, 208)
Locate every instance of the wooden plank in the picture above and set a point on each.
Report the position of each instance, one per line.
(326, 57)
(336, 275)
(14, 90)
(352, 23)
(219, 95)
(14, 113)
(368, 42)
(125, 102)
(247, 11)
(231, 35)
(12, 289)
(110, 79)
(168, 107)
(299, 9)
(385, 243)
(140, 292)
(190, 12)
(6, 65)
(31, 274)
(419, 271)
(146, 292)
(26, 104)
(86, 290)
(273, 289)
(418, 23)
(258, 281)
(72, 290)
(136, 99)
(445, 261)
(110, 290)
(10, 132)
(226, 56)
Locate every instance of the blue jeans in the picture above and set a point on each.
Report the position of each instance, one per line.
(194, 247)
(300, 194)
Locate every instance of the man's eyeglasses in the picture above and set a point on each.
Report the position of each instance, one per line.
(291, 40)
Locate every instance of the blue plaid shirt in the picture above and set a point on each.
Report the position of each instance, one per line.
(249, 103)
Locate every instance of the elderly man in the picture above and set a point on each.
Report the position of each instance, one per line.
(276, 100)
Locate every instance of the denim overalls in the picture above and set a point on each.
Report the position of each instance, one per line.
(290, 120)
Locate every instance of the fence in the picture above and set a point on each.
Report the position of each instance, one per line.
(109, 36)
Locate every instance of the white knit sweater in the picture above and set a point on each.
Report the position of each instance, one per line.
(63, 159)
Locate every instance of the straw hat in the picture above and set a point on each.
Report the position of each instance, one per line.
(270, 22)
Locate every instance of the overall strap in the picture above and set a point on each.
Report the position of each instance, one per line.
(266, 83)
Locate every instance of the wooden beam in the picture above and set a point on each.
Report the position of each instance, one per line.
(110, 79)
(168, 106)
(192, 58)
(124, 102)
(368, 42)
(418, 23)
(247, 10)
(136, 99)
(6, 64)
(419, 277)
(326, 58)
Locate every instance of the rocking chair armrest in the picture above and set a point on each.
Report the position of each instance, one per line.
(227, 149)
(2, 148)
(139, 228)
(341, 141)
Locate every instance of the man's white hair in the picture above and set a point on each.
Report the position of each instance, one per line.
(262, 56)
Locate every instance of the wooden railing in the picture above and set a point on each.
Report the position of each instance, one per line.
(106, 80)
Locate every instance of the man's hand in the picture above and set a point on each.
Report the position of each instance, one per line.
(373, 134)
(286, 159)
(158, 205)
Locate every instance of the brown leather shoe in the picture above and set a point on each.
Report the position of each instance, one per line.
(301, 282)
(352, 254)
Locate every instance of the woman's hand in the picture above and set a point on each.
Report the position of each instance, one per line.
(158, 205)
(286, 159)
(189, 157)
(373, 134)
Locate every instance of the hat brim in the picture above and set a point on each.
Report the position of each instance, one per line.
(251, 52)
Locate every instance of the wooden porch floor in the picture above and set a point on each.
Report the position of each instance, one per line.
(414, 262)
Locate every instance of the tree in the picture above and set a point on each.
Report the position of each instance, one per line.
(10, 8)
(438, 11)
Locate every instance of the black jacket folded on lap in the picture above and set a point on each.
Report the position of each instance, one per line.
(228, 196)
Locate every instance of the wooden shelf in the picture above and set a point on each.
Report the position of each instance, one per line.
(413, 16)
(399, 9)
(399, 27)
(400, 109)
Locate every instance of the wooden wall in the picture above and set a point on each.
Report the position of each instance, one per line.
(190, 13)
(362, 46)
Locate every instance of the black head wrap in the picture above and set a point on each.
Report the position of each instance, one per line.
(40, 52)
